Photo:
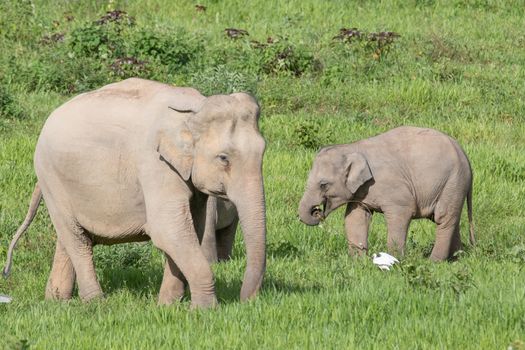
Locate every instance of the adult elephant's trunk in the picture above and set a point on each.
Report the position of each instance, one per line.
(309, 212)
(250, 203)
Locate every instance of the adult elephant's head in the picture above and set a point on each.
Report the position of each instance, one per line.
(219, 148)
(335, 178)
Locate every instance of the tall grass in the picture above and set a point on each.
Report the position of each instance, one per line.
(457, 67)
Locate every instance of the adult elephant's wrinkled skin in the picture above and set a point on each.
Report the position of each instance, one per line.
(138, 160)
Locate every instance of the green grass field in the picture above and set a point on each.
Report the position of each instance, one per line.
(457, 66)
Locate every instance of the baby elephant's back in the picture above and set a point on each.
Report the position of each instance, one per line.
(430, 158)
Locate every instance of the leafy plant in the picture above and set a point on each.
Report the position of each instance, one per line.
(282, 248)
(280, 56)
(309, 135)
(174, 48)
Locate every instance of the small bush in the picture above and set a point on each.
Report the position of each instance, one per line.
(104, 38)
(308, 134)
(282, 57)
(173, 49)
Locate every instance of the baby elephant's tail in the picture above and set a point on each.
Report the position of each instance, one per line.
(33, 207)
(469, 210)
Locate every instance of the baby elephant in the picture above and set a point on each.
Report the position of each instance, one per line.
(406, 173)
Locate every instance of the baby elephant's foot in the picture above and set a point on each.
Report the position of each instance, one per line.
(358, 249)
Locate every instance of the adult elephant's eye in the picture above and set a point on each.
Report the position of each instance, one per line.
(223, 158)
(323, 185)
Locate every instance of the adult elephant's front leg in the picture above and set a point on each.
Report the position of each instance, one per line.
(357, 221)
(173, 283)
(172, 230)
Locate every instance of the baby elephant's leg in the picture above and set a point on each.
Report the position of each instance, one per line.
(397, 221)
(357, 220)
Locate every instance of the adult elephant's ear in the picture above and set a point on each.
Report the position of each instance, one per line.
(175, 145)
(357, 170)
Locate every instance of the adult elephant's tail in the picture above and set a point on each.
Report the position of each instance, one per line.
(469, 211)
(33, 207)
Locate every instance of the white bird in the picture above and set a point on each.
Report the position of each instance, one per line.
(384, 261)
(5, 299)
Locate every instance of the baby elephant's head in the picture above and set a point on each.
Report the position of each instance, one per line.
(333, 181)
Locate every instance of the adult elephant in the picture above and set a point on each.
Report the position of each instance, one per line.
(136, 160)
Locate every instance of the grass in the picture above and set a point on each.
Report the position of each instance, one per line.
(457, 67)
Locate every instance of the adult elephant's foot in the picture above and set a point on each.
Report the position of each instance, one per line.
(203, 301)
(168, 296)
(91, 295)
(173, 283)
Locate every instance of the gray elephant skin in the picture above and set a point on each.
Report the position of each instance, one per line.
(221, 224)
(138, 160)
(405, 173)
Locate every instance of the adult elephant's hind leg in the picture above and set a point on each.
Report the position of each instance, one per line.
(79, 248)
(62, 277)
(173, 282)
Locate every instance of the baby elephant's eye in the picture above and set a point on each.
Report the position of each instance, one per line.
(323, 185)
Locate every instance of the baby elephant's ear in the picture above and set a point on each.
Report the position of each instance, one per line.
(357, 170)
(175, 145)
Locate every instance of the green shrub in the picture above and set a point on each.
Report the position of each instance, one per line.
(310, 135)
(174, 49)
(282, 57)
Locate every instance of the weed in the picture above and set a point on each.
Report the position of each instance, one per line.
(310, 135)
(282, 248)
(377, 45)
(9, 107)
(517, 254)
(282, 57)
(122, 256)
(424, 276)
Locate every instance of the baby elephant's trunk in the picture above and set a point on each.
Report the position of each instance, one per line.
(309, 211)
